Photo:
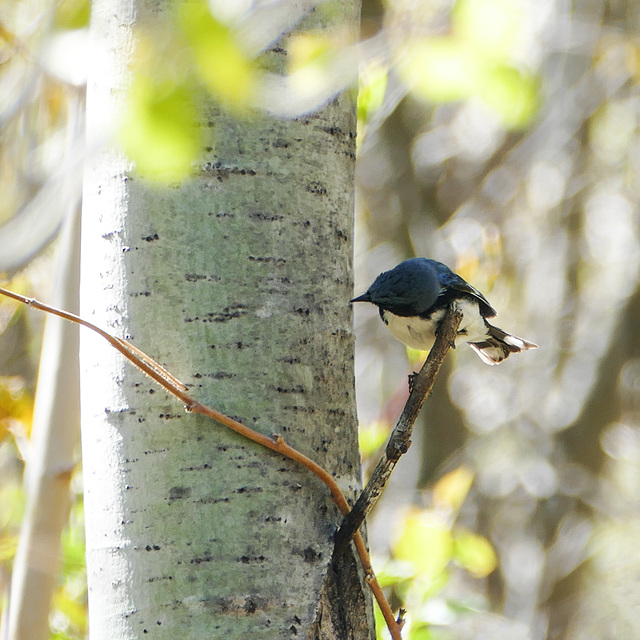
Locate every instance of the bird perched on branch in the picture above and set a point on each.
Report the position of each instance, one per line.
(413, 297)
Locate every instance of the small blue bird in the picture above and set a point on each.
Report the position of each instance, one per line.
(413, 297)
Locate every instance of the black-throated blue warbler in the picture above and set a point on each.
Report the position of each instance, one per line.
(413, 297)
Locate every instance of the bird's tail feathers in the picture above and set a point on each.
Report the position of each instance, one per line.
(498, 345)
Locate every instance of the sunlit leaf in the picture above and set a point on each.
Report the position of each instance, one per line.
(16, 406)
(474, 553)
(311, 61)
(8, 546)
(421, 633)
(160, 130)
(381, 625)
(12, 501)
(74, 611)
(442, 69)
(425, 540)
(372, 436)
(452, 489)
(309, 49)
(72, 14)
(221, 63)
(373, 84)
(491, 26)
(512, 94)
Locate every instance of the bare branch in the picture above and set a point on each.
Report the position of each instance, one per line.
(400, 439)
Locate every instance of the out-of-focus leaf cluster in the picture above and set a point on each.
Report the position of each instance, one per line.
(199, 49)
(427, 545)
(173, 64)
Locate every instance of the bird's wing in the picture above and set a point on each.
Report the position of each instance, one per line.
(454, 281)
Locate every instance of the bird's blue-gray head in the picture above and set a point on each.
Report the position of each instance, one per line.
(412, 287)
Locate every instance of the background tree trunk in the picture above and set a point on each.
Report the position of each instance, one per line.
(238, 281)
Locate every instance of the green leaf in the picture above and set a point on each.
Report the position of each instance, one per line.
(421, 633)
(222, 65)
(512, 94)
(373, 84)
(425, 541)
(160, 132)
(72, 14)
(372, 436)
(452, 489)
(492, 27)
(474, 553)
(442, 69)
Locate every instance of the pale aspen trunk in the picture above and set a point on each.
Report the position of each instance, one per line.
(237, 280)
(53, 454)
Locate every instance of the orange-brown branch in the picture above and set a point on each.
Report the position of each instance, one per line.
(277, 443)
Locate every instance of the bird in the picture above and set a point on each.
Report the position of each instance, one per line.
(413, 297)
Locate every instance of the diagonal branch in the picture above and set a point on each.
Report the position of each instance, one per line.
(275, 443)
(400, 439)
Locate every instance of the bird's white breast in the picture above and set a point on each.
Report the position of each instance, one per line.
(419, 333)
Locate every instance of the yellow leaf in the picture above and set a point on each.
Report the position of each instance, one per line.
(223, 66)
(72, 14)
(8, 546)
(424, 540)
(160, 132)
(492, 27)
(373, 84)
(452, 489)
(372, 436)
(474, 553)
(442, 69)
(512, 94)
(16, 407)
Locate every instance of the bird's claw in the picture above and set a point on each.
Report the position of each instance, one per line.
(412, 377)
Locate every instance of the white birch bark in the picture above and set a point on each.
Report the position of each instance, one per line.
(238, 281)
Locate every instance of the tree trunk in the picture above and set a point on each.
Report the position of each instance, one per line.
(238, 281)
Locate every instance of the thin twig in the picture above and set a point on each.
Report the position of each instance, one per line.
(400, 439)
(276, 443)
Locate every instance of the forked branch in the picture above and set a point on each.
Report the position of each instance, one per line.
(276, 443)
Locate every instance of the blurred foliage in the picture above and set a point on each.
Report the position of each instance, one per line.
(69, 615)
(16, 408)
(498, 136)
(426, 547)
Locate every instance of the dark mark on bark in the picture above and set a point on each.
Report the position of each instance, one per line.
(268, 259)
(295, 389)
(226, 314)
(265, 217)
(206, 558)
(310, 555)
(230, 345)
(289, 360)
(222, 173)
(252, 559)
(317, 188)
(179, 493)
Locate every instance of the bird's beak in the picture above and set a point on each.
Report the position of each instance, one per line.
(363, 298)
